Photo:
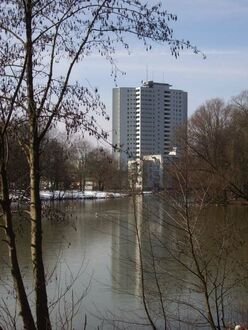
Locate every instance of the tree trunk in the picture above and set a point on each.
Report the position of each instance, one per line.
(26, 314)
(42, 313)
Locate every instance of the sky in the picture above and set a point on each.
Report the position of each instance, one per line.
(219, 28)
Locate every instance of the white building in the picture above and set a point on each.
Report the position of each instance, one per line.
(146, 173)
(145, 120)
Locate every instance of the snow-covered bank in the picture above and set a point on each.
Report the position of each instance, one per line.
(47, 195)
(76, 194)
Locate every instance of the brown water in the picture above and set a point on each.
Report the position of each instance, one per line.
(95, 246)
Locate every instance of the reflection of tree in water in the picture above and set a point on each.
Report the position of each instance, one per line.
(187, 281)
(86, 232)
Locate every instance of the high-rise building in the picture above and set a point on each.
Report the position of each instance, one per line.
(145, 120)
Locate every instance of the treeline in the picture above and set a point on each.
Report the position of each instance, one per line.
(215, 149)
(214, 146)
(67, 164)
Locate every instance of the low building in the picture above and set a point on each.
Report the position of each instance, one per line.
(146, 173)
(90, 184)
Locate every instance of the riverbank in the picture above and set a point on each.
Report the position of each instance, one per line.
(47, 195)
(77, 194)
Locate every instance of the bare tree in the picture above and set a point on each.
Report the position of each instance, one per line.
(217, 139)
(56, 165)
(35, 38)
(208, 257)
(239, 154)
(182, 248)
(79, 149)
(100, 166)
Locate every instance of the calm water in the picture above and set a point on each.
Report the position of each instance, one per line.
(96, 245)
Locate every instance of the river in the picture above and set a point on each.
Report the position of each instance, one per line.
(99, 254)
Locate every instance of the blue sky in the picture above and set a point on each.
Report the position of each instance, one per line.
(218, 27)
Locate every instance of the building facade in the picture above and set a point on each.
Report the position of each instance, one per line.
(146, 173)
(145, 120)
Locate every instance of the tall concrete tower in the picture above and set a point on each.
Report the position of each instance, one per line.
(145, 120)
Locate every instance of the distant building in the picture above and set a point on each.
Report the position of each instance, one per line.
(90, 184)
(146, 173)
(173, 152)
(145, 120)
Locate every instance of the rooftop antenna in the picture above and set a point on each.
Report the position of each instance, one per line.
(163, 77)
(147, 73)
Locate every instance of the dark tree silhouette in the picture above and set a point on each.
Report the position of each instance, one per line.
(36, 37)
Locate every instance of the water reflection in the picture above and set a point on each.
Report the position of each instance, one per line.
(100, 244)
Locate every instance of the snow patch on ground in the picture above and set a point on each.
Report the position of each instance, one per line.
(76, 194)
